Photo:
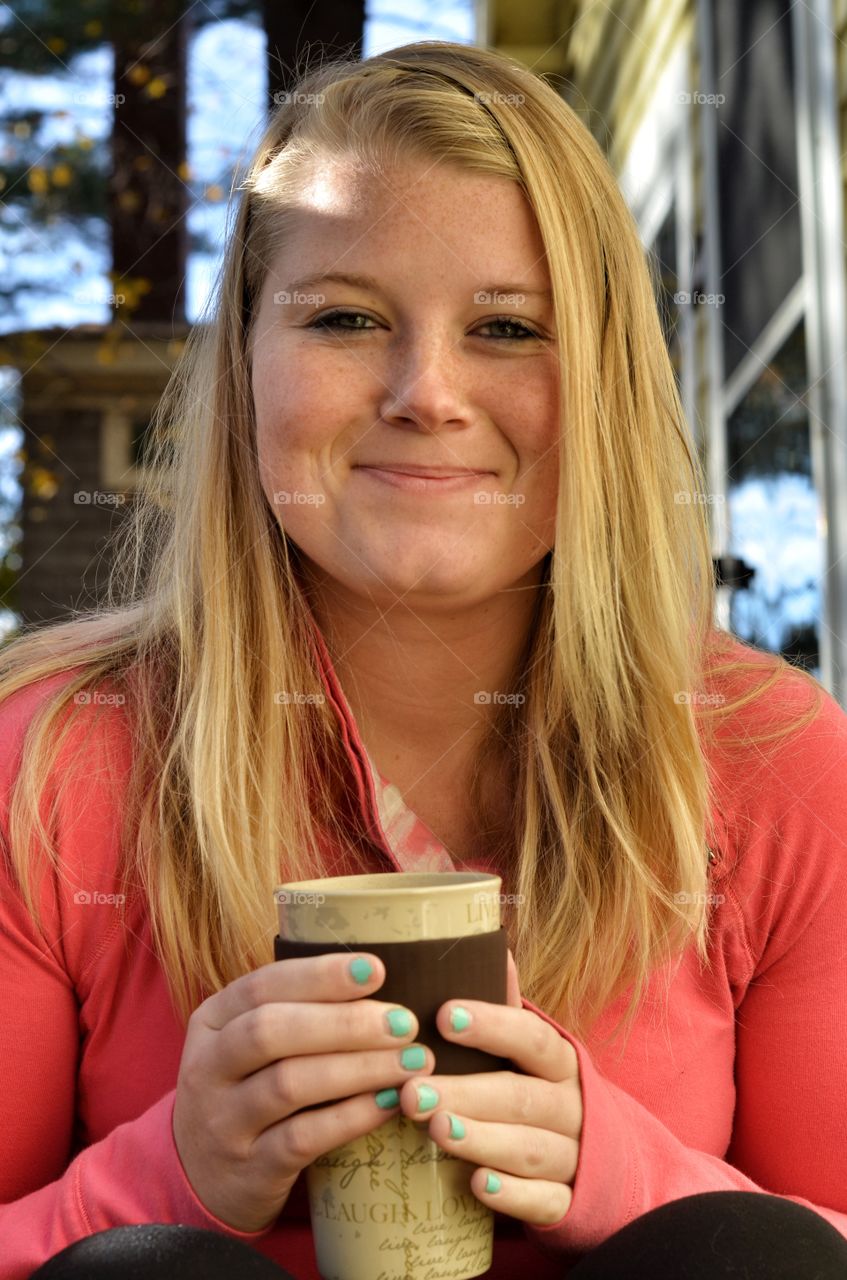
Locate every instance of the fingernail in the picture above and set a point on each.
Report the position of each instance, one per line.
(459, 1018)
(360, 969)
(387, 1098)
(457, 1129)
(492, 1183)
(413, 1058)
(427, 1097)
(399, 1021)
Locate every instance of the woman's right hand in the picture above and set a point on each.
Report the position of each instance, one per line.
(283, 1037)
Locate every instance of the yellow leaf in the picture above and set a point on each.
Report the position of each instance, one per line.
(157, 88)
(85, 144)
(139, 74)
(57, 44)
(129, 201)
(184, 170)
(93, 28)
(37, 181)
(62, 175)
(214, 192)
(43, 483)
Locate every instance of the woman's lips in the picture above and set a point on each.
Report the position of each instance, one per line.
(429, 484)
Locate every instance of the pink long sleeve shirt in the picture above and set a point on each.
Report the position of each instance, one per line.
(739, 1084)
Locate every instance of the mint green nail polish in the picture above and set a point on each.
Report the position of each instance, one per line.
(360, 969)
(413, 1058)
(399, 1021)
(492, 1183)
(387, 1098)
(459, 1018)
(427, 1098)
(457, 1129)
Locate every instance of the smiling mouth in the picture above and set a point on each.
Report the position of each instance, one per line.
(412, 483)
(429, 473)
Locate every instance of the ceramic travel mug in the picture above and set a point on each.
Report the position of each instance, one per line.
(392, 1204)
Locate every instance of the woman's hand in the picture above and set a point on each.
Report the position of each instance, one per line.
(278, 1040)
(521, 1126)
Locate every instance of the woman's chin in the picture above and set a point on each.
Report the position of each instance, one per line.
(417, 580)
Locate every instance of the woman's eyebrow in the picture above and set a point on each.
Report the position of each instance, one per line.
(369, 283)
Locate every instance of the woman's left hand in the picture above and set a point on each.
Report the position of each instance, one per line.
(521, 1126)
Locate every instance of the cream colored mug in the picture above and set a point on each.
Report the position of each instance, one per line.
(393, 1205)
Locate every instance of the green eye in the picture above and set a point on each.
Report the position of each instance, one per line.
(333, 320)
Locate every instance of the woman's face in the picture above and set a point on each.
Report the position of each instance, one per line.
(421, 371)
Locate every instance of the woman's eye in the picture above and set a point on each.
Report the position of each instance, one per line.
(333, 320)
(512, 324)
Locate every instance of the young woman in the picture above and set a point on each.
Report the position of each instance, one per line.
(424, 581)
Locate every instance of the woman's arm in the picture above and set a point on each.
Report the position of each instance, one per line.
(786, 940)
(49, 1195)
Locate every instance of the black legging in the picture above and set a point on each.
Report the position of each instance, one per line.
(746, 1235)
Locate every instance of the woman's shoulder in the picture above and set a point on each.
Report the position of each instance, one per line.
(94, 708)
(753, 693)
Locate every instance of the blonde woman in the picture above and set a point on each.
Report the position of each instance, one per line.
(423, 582)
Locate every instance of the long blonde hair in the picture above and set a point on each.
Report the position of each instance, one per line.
(206, 620)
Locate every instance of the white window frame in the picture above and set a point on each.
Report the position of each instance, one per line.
(817, 298)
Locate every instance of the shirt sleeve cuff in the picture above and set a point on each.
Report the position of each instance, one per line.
(135, 1175)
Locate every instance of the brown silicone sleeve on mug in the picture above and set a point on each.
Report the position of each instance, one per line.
(422, 974)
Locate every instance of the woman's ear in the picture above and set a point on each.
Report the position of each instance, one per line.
(513, 991)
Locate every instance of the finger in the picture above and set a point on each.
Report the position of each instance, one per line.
(501, 1095)
(334, 976)
(260, 1036)
(523, 1150)
(540, 1203)
(518, 1034)
(298, 1140)
(295, 1084)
